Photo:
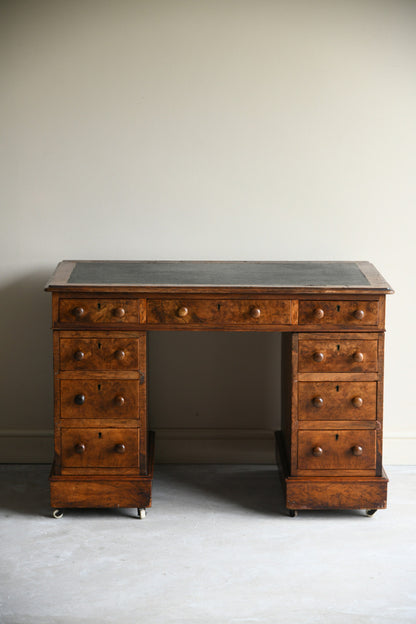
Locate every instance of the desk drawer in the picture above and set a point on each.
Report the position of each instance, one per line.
(219, 311)
(334, 400)
(339, 313)
(338, 356)
(96, 311)
(332, 450)
(100, 448)
(99, 398)
(99, 354)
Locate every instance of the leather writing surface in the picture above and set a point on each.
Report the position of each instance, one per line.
(274, 274)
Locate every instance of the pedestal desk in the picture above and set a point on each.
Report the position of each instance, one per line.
(331, 314)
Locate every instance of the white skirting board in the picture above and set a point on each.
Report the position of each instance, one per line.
(193, 446)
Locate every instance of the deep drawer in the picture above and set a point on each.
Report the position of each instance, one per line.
(99, 398)
(343, 356)
(98, 311)
(334, 400)
(99, 353)
(221, 311)
(100, 448)
(331, 450)
(339, 313)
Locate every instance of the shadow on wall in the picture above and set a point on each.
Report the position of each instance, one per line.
(26, 354)
(219, 380)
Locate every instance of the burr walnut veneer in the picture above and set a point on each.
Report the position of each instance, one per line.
(331, 314)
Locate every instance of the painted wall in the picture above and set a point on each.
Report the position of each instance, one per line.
(209, 129)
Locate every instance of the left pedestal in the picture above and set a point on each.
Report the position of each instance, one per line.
(103, 449)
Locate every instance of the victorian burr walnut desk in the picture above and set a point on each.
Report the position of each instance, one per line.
(329, 449)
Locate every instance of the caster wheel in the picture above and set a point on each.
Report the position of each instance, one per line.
(57, 513)
(370, 512)
(293, 513)
(141, 513)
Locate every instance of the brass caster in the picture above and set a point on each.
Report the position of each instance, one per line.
(57, 513)
(141, 513)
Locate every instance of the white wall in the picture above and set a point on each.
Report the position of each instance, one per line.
(203, 129)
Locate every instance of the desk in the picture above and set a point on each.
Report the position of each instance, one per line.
(332, 318)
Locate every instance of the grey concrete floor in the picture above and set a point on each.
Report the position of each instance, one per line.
(216, 547)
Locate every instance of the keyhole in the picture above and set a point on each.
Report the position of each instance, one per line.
(99, 386)
(338, 308)
(99, 306)
(336, 436)
(337, 347)
(99, 345)
(100, 435)
(337, 388)
(219, 306)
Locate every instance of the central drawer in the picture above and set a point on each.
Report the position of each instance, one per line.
(99, 354)
(99, 398)
(219, 311)
(100, 448)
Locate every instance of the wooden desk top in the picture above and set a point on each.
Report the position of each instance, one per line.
(308, 277)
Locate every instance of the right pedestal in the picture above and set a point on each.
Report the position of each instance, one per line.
(330, 446)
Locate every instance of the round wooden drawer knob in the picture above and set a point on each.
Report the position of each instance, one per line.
(318, 356)
(80, 448)
(318, 313)
(357, 450)
(317, 401)
(79, 355)
(182, 312)
(120, 354)
(79, 399)
(255, 312)
(119, 312)
(119, 400)
(357, 356)
(357, 401)
(317, 451)
(78, 312)
(359, 314)
(120, 448)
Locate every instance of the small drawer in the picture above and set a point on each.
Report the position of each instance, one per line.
(99, 398)
(338, 313)
(222, 311)
(338, 356)
(99, 353)
(333, 450)
(100, 448)
(98, 311)
(334, 400)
